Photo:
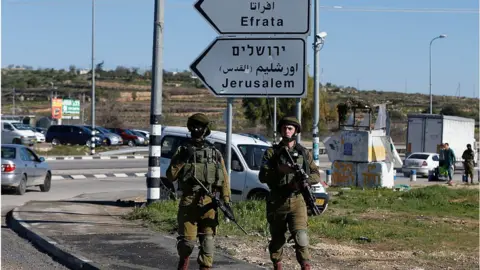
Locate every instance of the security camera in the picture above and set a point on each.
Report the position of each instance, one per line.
(321, 35)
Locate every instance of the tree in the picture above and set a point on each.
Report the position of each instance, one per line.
(259, 109)
(72, 69)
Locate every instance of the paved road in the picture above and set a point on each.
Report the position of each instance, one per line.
(18, 253)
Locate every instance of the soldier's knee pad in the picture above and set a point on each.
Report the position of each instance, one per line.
(208, 244)
(301, 238)
(185, 247)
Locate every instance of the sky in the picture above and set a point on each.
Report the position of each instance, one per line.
(385, 51)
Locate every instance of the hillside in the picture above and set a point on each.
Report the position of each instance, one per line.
(126, 102)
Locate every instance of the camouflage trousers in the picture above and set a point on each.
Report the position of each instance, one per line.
(292, 213)
(196, 219)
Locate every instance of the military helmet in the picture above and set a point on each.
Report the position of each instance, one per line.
(290, 120)
(199, 119)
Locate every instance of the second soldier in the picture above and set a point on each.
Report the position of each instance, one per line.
(285, 205)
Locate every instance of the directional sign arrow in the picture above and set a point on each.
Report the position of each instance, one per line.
(253, 67)
(257, 17)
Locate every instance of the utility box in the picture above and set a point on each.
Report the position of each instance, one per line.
(426, 133)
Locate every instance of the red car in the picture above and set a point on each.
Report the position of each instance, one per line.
(128, 137)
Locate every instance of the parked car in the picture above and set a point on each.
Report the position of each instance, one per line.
(17, 133)
(421, 162)
(144, 132)
(129, 138)
(146, 139)
(72, 134)
(247, 154)
(41, 130)
(38, 135)
(22, 168)
(112, 138)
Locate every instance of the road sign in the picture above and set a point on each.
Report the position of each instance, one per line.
(257, 17)
(71, 109)
(57, 108)
(254, 67)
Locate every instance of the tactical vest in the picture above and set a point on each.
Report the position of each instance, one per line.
(469, 155)
(204, 165)
(299, 155)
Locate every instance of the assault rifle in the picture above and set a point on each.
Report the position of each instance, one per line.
(303, 185)
(226, 209)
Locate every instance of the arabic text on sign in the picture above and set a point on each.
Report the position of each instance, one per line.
(258, 50)
(265, 70)
(271, 83)
(262, 7)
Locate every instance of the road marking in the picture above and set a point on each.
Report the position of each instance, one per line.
(100, 176)
(57, 177)
(141, 174)
(78, 176)
(120, 175)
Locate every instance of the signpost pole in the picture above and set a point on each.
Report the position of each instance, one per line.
(153, 175)
(275, 120)
(299, 117)
(228, 149)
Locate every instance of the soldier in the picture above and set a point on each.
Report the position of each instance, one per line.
(469, 162)
(198, 160)
(285, 205)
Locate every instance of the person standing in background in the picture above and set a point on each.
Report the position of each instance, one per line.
(450, 160)
(468, 157)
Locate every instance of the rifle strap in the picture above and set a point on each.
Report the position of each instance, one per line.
(303, 152)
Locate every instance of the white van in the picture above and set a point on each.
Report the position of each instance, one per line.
(247, 153)
(17, 133)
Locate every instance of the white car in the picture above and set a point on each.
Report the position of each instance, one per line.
(247, 154)
(40, 136)
(421, 162)
(17, 133)
(143, 132)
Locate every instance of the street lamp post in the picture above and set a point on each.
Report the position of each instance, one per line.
(430, 68)
(318, 43)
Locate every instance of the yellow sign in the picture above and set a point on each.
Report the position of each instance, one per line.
(57, 108)
(319, 201)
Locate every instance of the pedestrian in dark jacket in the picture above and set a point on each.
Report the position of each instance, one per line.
(468, 162)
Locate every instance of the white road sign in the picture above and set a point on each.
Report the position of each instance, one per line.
(257, 17)
(254, 67)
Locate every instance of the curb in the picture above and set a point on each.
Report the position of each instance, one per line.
(95, 157)
(97, 176)
(73, 261)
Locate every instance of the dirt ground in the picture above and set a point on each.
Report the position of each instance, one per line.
(332, 256)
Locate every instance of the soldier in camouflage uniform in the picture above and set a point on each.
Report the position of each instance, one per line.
(469, 162)
(285, 205)
(198, 159)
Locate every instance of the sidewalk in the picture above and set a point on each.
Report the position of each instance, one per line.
(88, 232)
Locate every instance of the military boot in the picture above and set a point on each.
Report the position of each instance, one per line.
(183, 263)
(306, 266)
(277, 266)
